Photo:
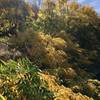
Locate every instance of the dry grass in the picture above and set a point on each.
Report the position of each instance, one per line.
(44, 50)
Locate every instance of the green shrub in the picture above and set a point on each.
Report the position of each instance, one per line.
(21, 80)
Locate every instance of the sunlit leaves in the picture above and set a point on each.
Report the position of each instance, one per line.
(21, 80)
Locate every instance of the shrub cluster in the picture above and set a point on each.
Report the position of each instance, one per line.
(21, 80)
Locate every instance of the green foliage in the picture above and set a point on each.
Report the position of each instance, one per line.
(21, 80)
(14, 12)
(64, 38)
(79, 21)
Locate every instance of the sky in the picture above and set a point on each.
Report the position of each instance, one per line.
(93, 3)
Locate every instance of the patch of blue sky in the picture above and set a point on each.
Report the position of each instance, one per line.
(93, 3)
(84, 1)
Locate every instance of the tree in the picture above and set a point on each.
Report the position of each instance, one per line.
(15, 12)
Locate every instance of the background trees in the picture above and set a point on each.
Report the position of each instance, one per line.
(15, 12)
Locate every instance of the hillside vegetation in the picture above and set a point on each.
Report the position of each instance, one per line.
(50, 53)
